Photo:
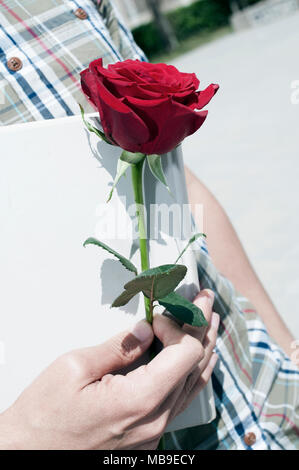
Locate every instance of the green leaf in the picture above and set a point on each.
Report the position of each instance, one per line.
(93, 129)
(131, 157)
(154, 283)
(155, 165)
(123, 299)
(124, 261)
(182, 309)
(158, 281)
(122, 167)
(192, 240)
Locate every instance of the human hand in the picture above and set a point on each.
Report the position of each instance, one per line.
(207, 336)
(77, 403)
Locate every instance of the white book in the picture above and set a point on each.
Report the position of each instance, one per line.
(56, 295)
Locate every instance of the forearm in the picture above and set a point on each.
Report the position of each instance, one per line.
(231, 260)
(8, 432)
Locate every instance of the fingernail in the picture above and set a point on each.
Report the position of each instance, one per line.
(213, 361)
(215, 321)
(142, 331)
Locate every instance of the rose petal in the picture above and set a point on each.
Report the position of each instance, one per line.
(119, 121)
(85, 88)
(169, 122)
(205, 96)
(95, 65)
(122, 89)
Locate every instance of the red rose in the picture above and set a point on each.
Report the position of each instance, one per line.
(147, 108)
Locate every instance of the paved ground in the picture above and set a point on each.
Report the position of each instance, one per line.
(248, 150)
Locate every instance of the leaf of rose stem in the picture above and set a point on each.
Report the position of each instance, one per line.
(124, 261)
(154, 283)
(181, 308)
(155, 165)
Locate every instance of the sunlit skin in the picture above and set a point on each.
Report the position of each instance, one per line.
(231, 260)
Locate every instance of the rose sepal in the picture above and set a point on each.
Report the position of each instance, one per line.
(93, 129)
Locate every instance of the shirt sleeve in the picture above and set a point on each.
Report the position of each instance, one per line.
(120, 34)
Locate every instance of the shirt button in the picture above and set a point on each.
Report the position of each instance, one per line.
(14, 64)
(250, 439)
(81, 14)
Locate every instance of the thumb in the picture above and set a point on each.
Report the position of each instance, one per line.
(119, 351)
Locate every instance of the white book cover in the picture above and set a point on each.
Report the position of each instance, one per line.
(55, 178)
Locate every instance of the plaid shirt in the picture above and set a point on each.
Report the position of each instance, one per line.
(256, 386)
(54, 45)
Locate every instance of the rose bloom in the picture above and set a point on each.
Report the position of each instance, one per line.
(144, 107)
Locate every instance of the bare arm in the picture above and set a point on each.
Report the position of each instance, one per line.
(231, 260)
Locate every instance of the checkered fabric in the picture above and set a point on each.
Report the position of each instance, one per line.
(54, 45)
(256, 386)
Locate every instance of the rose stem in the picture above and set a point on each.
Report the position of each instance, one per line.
(137, 181)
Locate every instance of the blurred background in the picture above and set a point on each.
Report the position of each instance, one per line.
(247, 151)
